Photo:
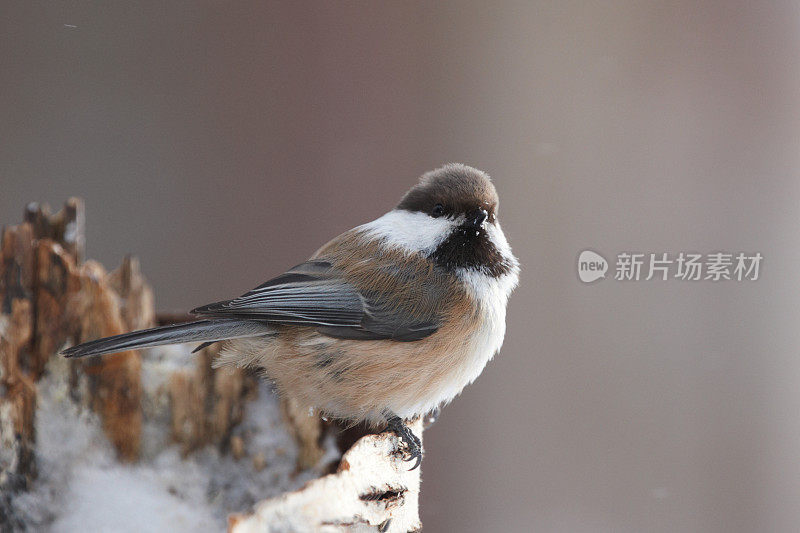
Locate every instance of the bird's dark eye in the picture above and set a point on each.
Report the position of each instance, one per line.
(437, 211)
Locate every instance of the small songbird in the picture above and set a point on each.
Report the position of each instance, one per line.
(383, 324)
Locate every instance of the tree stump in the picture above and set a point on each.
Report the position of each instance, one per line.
(203, 446)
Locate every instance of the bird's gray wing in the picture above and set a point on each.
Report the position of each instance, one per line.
(316, 294)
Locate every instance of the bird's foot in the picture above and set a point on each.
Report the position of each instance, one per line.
(413, 446)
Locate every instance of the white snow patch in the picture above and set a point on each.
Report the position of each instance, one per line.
(81, 486)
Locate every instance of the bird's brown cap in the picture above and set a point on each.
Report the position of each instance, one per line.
(458, 189)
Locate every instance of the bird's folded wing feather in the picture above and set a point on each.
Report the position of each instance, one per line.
(316, 294)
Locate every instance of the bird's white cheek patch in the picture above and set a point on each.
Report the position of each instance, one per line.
(412, 232)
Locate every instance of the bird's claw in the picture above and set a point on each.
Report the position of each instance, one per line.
(411, 456)
(412, 444)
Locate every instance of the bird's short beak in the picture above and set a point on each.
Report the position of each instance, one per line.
(477, 218)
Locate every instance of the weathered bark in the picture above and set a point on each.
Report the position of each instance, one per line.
(17, 400)
(206, 405)
(137, 303)
(50, 298)
(306, 430)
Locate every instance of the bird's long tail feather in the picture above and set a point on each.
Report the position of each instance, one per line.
(201, 331)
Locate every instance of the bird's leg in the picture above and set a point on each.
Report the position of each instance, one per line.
(413, 444)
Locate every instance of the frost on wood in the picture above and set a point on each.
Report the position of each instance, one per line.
(157, 439)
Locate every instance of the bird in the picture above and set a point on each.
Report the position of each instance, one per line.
(382, 325)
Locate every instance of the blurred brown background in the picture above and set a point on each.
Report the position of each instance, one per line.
(223, 142)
